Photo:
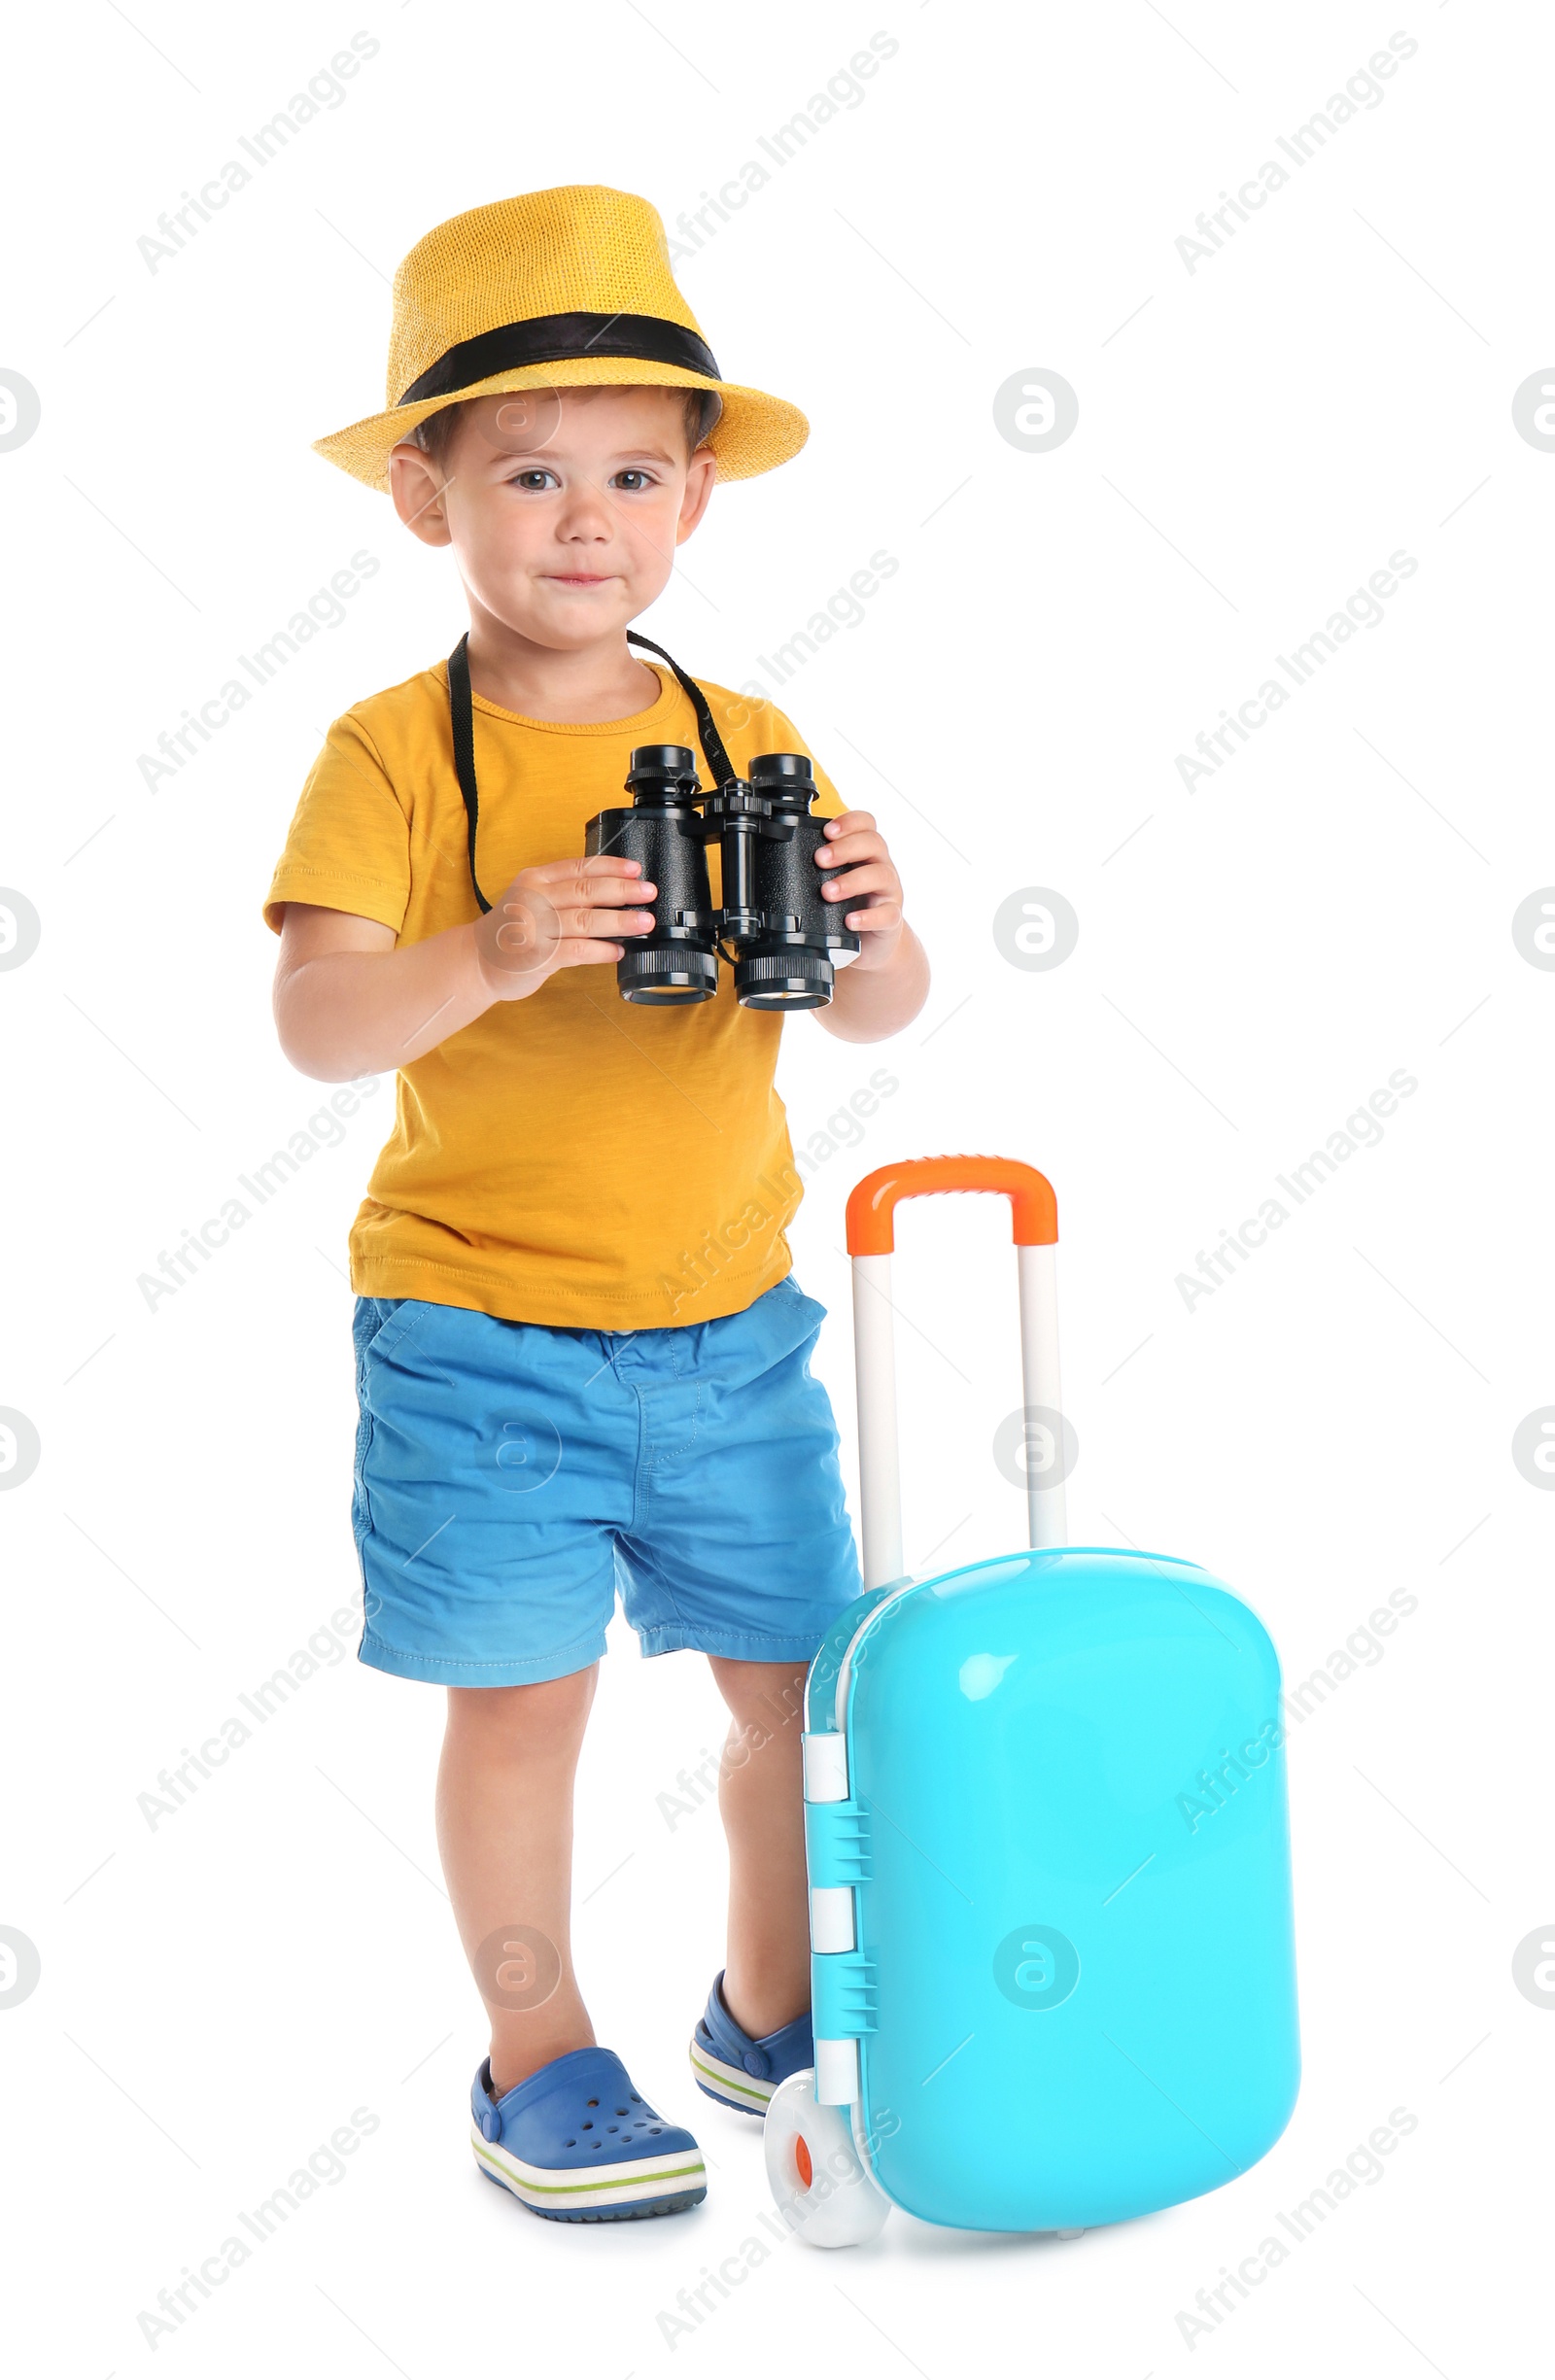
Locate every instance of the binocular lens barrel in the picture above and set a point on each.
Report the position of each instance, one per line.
(675, 963)
(787, 960)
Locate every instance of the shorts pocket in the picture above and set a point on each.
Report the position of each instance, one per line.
(798, 1317)
(738, 1351)
(372, 1317)
(370, 1321)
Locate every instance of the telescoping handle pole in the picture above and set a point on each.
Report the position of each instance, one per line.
(870, 1242)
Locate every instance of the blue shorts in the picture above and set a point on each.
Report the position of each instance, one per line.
(509, 1478)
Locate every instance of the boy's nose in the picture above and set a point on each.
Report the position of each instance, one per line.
(586, 514)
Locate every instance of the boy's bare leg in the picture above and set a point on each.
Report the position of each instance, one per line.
(761, 1798)
(505, 1829)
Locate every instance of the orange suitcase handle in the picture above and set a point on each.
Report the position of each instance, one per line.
(872, 1207)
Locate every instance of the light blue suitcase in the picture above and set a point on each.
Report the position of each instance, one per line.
(1053, 1960)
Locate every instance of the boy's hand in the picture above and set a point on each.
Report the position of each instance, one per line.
(867, 884)
(567, 914)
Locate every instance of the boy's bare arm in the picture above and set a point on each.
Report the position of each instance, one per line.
(348, 1001)
(884, 987)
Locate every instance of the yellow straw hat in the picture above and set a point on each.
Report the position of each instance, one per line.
(569, 289)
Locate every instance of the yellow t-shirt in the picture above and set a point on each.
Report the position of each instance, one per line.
(570, 1159)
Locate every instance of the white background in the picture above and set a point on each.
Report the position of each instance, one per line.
(1333, 1424)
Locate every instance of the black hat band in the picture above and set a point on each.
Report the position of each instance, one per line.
(564, 339)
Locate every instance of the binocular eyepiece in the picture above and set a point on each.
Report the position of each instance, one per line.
(784, 940)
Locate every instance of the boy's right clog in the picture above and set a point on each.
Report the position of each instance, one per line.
(576, 2144)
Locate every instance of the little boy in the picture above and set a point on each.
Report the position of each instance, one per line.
(583, 1362)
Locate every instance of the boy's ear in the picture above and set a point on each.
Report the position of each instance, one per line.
(700, 478)
(416, 485)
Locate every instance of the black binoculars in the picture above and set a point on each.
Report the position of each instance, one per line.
(781, 938)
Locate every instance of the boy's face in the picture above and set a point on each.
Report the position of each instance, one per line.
(563, 507)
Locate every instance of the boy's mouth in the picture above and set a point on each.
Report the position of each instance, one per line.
(579, 578)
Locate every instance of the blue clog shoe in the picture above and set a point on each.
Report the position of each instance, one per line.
(578, 2143)
(737, 2071)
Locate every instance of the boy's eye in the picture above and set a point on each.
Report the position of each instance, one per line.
(535, 479)
(632, 480)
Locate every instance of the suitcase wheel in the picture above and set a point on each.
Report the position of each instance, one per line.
(818, 2179)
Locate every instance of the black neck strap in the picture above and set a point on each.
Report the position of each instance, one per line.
(462, 716)
(723, 769)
